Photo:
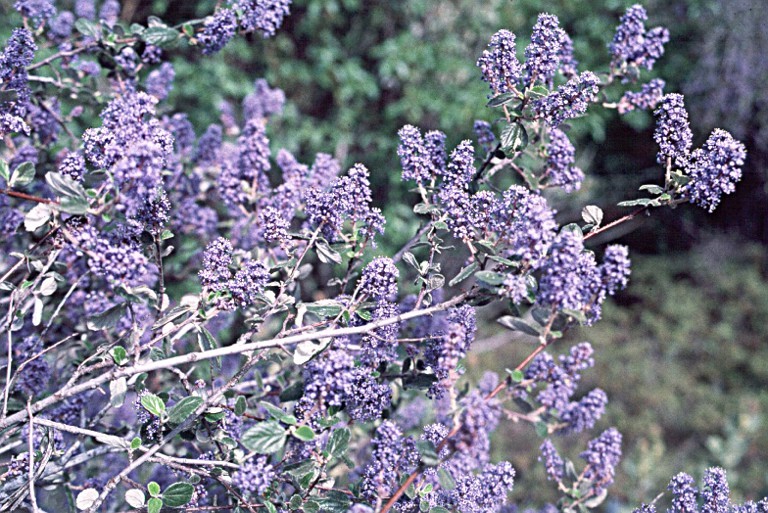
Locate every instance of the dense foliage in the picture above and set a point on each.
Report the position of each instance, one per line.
(194, 319)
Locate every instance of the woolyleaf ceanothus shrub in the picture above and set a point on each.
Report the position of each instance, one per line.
(195, 320)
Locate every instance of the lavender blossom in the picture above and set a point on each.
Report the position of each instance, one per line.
(218, 30)
(160, 81)
(582, 415)
(369, 399)
(379, 278)
(615, 269)
(563, 285)
(602, 457)
(485, 136)
(392, 454)
(153, 215)
(715, 492)
(648, 97)
(413, 155)
(216, 261)
(714, 169)
(61, 26)
(569, 101)
(208, 146)
(254, 476)
(248, 283)
(263, 102)
(266, 16)
(499, 64)
(17, 55)
(461, 166)
(673, 133)
(542, 55)
(684, 494)
(568, 63)
(561, 156)
(253, 161)
(632, 45)
(553, 463)
(85, 9)
(35, 373)
(110, 12)
(273, 226)
(38, 11)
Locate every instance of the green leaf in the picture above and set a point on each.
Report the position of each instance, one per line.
(153, 404)
(178, 494)
(106, 319)
(422, 381)
(74, 206)
(424, 208)
(592, 214)
(325, 253)
(538, 91)
(173, 313)
(22, 175)
(240, 405)
(135, 443)
(338, 442)
(575, 230)
(325, 308)
(167, 234)
(517, 324)
(541, 429)
(153, 488)
(154, 505)
(117, 390)
(160, 36)
(119, 355)
(183, 409)
(135, 498)
(277, 413)
(304, 433)
(292, 392)
(4, 171)
(206, 342)
(334, 502)
(514, 138)
(305, 351)
(428, 453)
(501, 99)
(86, 498)
(464, 274)
(642, 202)
(64, 186)
(516, 375)
(445, 479)
(37, 217)
(490, 277)
(265, 437)
(439, 509)
(88, 28)
(652, 189)
(576, 314)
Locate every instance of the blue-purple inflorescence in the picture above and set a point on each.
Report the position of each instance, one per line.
(715, 493)
(632, 45)
(646, 98)
(264, 101)
(17, 55)
(421, 158)
(553, 463)
(602, 456)
(684, 494)
(569, 66)
(151, 422)
(673, 132)
(208, 146)
(244, 287)
(714, 169)
(73, 166)
(218, 30)
(615, 269)
(392, 454)
(35, 372)
(110, 11)
(160, 81)
(254, 477)
(561, 157)
(461, 165)
(525, 224)
(37, 11)
(499, 64)
(61, 26)
(85, 9)
(266, 16)
(379, 278)
(485, 136)
(446, 349)
(569, 101)
(542, 55)
(486, 491)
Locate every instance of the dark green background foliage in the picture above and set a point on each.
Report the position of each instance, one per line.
(683, 352)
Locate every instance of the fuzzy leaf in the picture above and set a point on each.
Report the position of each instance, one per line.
(265, 437)
(178, 494)
(184, 408)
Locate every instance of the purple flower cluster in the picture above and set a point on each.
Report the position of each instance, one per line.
(17, 55)
(148, 420)
(525, 224)
(632, 45)
(542, 55)
(499, 64)
(85, 9)
(35, 373)
(615, 270)
(266, 16)
(381, 345)
(422, 158)
(347, 197)
(553, 463)
(446, 349)
(569, 101)
(714, 169)
(263, 101)
(684, 494)
(392, 454)
(110, 11)
(471, 444)
(673, 132)
(461, 165)
(116, 256)
(379, 278)
(37, 11)
(481, 493)
(254, 477)
(716, 493)
(648, 97)
(160, 81)
(485, 136)
(244, 287)
(568, 63)
(218, 30)
(561, 156)
(61, 26)
(207, 153)
(602, 456)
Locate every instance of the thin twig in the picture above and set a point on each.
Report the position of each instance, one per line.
(31, 456)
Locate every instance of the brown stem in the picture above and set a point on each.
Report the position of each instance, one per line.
(616, 222)
(28, 197)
